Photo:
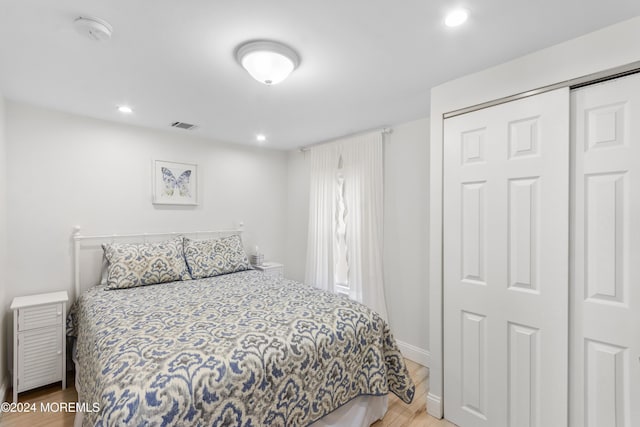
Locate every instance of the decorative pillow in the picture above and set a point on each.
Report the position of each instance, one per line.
(214, 257)
(139, 264)
(104, 269)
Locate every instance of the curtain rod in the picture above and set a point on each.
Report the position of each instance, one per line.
(383, 131)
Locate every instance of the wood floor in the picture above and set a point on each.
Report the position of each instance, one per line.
(398, 415)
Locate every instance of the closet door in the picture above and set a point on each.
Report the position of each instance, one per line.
(506, 210)
(605, 356)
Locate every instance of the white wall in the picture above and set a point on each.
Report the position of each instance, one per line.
(66, 170)
(297, 214)
(405, 247)
(598, 51)
(4, 283)
(406, 207)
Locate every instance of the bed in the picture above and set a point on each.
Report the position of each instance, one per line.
(241, 348)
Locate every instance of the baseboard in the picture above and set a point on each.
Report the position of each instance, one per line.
(434, 406)
(415, 354)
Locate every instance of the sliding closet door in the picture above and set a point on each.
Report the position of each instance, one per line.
(605, 356)
(506, 210)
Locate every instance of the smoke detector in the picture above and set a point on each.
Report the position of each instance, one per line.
(93, 28)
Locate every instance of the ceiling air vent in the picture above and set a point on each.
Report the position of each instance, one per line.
(183, 125)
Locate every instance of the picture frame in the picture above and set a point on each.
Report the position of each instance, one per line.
(174, 183)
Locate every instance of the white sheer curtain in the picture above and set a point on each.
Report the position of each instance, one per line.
(362, 170)
(324, 165)
(363, 177)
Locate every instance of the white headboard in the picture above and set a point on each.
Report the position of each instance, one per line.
(88, 257)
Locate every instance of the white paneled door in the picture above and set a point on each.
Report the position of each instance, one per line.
(506, 213)
(605, 350)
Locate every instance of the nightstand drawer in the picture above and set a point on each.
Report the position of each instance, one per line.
(39, 316)
(40, 352)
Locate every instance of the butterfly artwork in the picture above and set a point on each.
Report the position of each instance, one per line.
(175, 183)
(171, 183)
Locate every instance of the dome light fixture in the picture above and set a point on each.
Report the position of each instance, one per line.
(456, 17)
(267, 61)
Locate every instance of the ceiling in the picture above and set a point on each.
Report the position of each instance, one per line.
(365, 64)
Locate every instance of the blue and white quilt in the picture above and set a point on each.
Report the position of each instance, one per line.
(242, 349)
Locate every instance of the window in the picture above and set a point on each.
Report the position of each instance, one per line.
(340, 250)
(344, 244)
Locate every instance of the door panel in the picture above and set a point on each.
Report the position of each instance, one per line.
(606, 398)
(506, 189)
(524, 375)
(474, 364)
(604, 227)
(523, 233)
(605, 351)
(473, 232)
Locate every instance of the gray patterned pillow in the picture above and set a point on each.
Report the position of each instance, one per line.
(214, 257)
(139, 264)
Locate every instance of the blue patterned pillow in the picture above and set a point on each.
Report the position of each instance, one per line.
(140, 264)
(214, 257)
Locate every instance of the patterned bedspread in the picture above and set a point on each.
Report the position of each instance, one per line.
(243, 349)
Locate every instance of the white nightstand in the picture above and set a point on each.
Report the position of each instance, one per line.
(39, 342)
(271, 268)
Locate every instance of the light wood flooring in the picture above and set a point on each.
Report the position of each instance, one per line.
(399, 414)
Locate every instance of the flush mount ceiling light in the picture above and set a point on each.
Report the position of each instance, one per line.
(267, 61)
(125, 109)
(94, 28)
(261, 137)
(456, 17)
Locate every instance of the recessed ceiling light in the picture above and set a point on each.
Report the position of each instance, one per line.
(267, 61)
(456, 17)
(125, 109)
(261, 138)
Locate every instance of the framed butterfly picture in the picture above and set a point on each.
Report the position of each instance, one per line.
(175, 183)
